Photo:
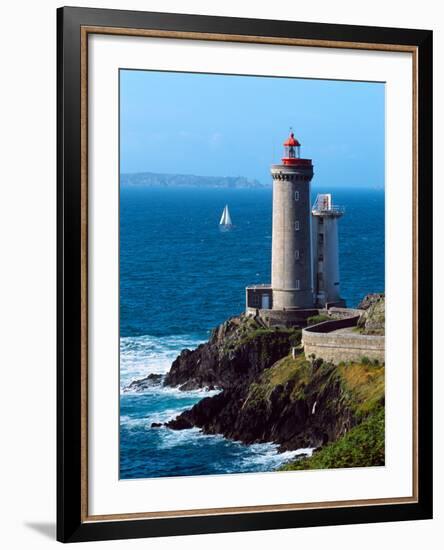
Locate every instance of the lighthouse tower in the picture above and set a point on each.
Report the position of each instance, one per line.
(291, 263)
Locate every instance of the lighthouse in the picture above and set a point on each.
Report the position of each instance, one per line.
(291, 261)
(305, 250)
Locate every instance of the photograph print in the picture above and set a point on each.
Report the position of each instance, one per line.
(252, 292)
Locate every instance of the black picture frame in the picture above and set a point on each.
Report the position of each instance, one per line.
(71, 523)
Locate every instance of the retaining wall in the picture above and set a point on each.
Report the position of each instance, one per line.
(286, 318)
(341, 346)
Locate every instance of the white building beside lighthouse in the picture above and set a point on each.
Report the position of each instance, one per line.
(325, 248)
(305, 251)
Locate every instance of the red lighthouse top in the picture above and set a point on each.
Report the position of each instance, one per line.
(291, 141)
(292, 152)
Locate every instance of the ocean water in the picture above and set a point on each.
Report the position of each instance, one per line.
(179, 278)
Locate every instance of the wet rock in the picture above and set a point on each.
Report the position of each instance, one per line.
(145, 383)
(179, 423)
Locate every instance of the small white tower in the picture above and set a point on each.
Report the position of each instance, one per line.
(326, 251)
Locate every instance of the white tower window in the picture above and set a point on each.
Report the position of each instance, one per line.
(296, 254)
(297, 284)
(296, 225)
(296, 195)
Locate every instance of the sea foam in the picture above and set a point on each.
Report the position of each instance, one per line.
(144, 355)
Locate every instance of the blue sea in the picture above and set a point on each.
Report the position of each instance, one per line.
(180, 276)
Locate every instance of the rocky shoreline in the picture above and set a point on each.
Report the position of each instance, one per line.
(267, 393)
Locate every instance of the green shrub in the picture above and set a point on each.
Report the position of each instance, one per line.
(363, 445)
(315, 319)
(295, 339)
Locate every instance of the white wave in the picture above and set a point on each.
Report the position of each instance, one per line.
(143, 355)
(259, 456)
(268, 456)
(158, 417)
(135, 422)
(199, 393)
(176, 438)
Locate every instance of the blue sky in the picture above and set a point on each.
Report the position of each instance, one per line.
(222, 125)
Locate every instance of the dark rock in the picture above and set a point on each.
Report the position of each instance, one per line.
(179, 423)
(156, 424)
(251, 407)
(279, 418)
(145, 383)
(237, 351)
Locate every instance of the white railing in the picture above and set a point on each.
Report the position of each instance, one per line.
(334, 209)
(323, 205)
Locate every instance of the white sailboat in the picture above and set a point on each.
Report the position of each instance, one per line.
(225, 220)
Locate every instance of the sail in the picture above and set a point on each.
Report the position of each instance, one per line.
(226, 218)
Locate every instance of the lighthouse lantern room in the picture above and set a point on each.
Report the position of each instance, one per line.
(292, 149)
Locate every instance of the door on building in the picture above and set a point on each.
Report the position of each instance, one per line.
(265, 301)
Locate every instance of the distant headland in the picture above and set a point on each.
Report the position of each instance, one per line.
(152, 179)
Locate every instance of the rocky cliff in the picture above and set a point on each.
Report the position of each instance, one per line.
(372, 320)
(268, 395)
(238, 350)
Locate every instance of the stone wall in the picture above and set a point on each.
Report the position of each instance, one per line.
(343, 346)
(343, 312)
(286, 318)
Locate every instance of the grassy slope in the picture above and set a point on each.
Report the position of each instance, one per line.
(362, 390)
(245, 330)
(363, 386)
(285, 370)
(361, 446)
(365, 382)
(362, 383)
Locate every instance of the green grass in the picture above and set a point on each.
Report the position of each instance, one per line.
(294, 335)
(287, 369)
(315, 319)
(362, 446)
(365, 383)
